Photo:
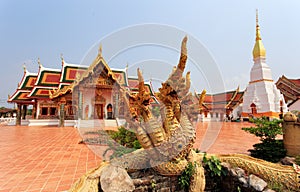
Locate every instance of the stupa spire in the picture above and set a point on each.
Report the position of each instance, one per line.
(259, 49)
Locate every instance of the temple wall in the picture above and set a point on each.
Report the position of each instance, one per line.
(295, 106)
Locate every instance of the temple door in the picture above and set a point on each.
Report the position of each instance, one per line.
(109, 111)
(98, 111)
(253, 109)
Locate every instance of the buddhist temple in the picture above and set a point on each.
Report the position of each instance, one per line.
(76, 92)
(62, 96)
(261, 97)
(221, 106)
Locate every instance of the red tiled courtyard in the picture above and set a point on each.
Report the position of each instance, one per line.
(50, 158)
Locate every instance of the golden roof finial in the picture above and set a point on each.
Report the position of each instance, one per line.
(258, 37)
(62, 59)
(256, 17)
(100, 50)
(24, 67)
(39, 62)
(259, 49)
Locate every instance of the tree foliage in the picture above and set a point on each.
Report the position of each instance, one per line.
(265, 129)
(269, 149)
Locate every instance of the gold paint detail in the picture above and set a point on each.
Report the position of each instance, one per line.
(259, 49)
(260, 80)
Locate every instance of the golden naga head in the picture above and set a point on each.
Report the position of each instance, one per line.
(176, 86)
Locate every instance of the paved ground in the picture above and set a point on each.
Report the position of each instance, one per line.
(50, 158)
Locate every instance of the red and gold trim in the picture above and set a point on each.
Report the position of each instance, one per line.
(71, 74)
(270, 114)
(50, 78)
(120, 77)
(31, 81)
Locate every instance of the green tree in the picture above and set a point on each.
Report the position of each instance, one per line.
(270, 149)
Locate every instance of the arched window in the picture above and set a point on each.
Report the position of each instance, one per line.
(109, 111)
(253, 108)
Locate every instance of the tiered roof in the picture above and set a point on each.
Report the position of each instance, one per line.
(99, 66)
(69, 73)
(24, 88)
(221, 101)
(290, 88)
(47, 79)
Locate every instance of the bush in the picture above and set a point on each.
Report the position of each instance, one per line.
(185, 177)
(126, 143)
(126, 138)
(213, 166)
(269, 149)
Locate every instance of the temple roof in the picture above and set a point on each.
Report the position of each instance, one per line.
(48, 77)
(27, 83)
(226, 100)
(69, 72)
(290, 88)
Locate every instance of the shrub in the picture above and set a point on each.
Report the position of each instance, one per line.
(213, 166)
(126, 142)
(185, 177)
(269, 149)
(126, 138)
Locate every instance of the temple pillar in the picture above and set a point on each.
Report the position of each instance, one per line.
(80, 101)
(62, 112)
(61, 115)
(116, 107)
(34, 110)
(37, 109)
(24, 112)
(18, 120)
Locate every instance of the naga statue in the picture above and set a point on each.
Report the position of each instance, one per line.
(167, 141)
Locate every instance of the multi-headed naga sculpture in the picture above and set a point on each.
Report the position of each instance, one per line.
(167, 142)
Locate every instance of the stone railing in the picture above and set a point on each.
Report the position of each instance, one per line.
(7, 120)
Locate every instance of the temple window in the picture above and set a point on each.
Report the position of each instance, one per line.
(52, 110)
(44, 111)
(253, 108)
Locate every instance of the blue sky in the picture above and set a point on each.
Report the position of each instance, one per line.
(33, 28)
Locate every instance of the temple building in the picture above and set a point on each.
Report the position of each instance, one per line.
(61, 96)
(290, 88)
(261, 97)
(221, 106)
